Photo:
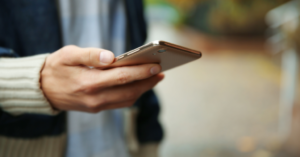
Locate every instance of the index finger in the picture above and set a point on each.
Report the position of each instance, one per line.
(124, 75)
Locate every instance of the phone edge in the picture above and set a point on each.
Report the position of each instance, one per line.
(157, 43)
(122, 56)
(175, 46)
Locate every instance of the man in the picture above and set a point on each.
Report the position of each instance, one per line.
(35, 90)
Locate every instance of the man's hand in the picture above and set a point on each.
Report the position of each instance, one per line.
(69, 82)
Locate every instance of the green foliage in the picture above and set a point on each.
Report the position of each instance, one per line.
(231, 17)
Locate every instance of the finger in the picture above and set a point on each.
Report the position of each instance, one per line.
(128, 92)
(122, 75)
(121, 94)
(73, 55)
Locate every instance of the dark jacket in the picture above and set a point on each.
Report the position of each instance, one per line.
(31, 27)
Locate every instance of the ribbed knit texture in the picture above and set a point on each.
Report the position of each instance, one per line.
(20, 86)
(49, 146)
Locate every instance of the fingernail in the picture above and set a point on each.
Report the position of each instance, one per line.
(106, 57)
(155, 70)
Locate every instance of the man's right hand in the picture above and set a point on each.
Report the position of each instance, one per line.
(69, 82)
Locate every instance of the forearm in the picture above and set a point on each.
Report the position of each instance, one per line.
(20, 86)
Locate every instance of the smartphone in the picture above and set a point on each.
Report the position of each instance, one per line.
(168, 55)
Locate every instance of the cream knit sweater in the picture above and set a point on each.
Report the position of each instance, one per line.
(20, 85)
(20, 92)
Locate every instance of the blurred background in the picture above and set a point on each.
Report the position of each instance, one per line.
(240, 99)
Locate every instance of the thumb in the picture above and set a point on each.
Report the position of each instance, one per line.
(87, 56)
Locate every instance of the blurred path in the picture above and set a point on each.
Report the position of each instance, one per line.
(223, 105)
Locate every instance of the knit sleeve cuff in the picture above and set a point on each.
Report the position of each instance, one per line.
(20, 90)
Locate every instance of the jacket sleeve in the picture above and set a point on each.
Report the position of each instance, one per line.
(20, 90)
(6, 52)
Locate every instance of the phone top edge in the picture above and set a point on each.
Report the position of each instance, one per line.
(188, 50)
(134, 51)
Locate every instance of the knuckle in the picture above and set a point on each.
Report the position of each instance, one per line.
(66, 51)
(93, 109)
(122, 77)
(69, 48)
(53, 60)
(92, 104)
(85, 82)
(62, 54)
(83, 86)
(54, 64)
